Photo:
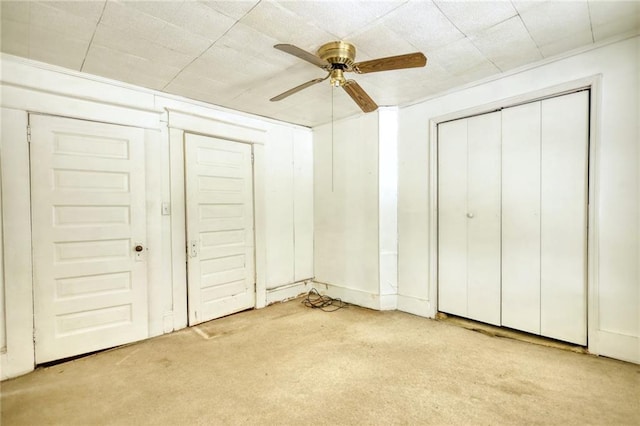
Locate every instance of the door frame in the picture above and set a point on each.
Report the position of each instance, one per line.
(591, 83)
(180, 123)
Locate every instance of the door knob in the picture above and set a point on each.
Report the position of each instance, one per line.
(470, 215)
(139, 248)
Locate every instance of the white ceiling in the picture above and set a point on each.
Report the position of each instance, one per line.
(222, 52)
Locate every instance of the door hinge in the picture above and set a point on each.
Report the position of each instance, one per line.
(252, 158)
(28, 134)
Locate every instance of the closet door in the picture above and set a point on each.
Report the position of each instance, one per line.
(521, 217)
(219, 198)
(89, 231)
(563, 224)
(544, 217)
(469, 218)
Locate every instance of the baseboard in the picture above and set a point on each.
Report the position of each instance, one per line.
(415, 306)
(388, 302)
(618, 346)
(349, 295)
(287, 291)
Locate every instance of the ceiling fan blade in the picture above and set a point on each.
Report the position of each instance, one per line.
(302, 54)
(356, 92)
(410, 60)
(297, 89)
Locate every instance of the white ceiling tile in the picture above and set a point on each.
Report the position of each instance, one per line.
(507, 45)
(523, 5)
(58, 21)
(610, 18)
(197, 83)
(164, 10)
(17, 11)
(131, 20)
(147, 79)
(568, 43)
(139, 25)
(87, 10)
(379, 41)
(177, 38)
(252, 42)
(473, 16)
(341, 18)
(234, 9)
(202, 20)
(14, 38)
(285, 26)
(124, 42)
(127, 67)
(422, 24)
(459, 57)
(56, 49)
(549, 22)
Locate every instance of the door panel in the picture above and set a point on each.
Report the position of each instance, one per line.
(469, 218)
(521, 217)
(565, 127)
(483, 218)
(219, 198)
(88, 212)
(452, 222)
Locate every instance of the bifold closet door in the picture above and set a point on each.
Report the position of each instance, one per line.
(563, 224)
(544, 217)
(469, 217)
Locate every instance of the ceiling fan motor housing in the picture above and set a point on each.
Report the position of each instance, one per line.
(340, 54)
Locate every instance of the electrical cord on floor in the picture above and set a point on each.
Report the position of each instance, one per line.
(315, 300)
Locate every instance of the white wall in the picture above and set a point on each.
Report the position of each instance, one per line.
(289, 208)
(346, 254)
(283, 167)
(614, 300)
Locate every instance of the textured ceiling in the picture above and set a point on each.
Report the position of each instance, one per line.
(222, 52)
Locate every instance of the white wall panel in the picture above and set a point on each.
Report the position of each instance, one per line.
(346, 203)
(3, 318)
(388, 205)
(279, 205)
(303, 203)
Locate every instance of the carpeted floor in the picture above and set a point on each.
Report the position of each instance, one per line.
(287, 364)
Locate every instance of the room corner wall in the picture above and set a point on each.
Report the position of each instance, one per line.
(346, 209)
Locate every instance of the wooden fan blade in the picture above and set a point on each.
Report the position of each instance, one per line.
(410, 60)
(297, 89)
(302, 54)
(356, 92)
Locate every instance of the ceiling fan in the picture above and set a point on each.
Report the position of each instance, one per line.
(338, 57)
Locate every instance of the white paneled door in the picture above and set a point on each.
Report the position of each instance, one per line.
(220, 236)
(89, 231)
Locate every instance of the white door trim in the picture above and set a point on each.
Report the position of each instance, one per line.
(594, 84)
(191, 123)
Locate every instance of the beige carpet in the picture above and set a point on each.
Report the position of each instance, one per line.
(288, 364)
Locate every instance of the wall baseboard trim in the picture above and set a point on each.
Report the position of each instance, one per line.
(354, 297)
(288, 291)
(618, 346)
(416, 306)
